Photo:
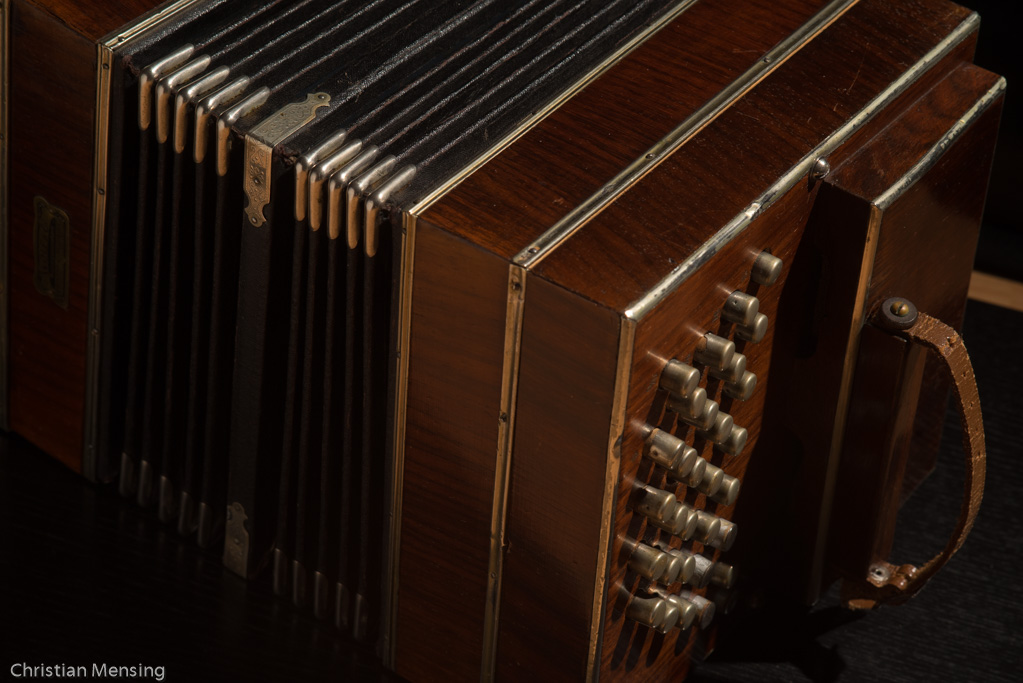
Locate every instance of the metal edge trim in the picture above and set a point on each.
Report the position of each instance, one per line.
(557, 234)
(145, 23)
(928, 160)
(389, 628)
(626, 343)
(502, 470)
(424, 203)
(5, 207)
(104, 57)
(844, 397)
(642, 306)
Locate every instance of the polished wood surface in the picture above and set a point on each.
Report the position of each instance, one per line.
(53, 95)
(455, 359)
(685, 200)
(566, 386)
(584, 143)
(93, 21)
(53, 88)
(933, 225)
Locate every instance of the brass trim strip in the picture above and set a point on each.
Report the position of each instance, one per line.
(626, 342)
(999, 291)
(424, 203)
(145, 23)
(104, 59)
(928, 160)
(642, 306)
(389, 627)
(502, 472)
(572, 222)
(5, 208)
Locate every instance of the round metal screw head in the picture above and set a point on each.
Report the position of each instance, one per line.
(900, 308)
(897, 313)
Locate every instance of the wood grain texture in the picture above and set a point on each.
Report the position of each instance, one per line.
(686, 199)
(946, 208)
(94, 20)
(455, 360)
(52, 101)
(588, 140)
(569, 354)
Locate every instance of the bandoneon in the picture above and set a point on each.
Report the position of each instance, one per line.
(469, 321)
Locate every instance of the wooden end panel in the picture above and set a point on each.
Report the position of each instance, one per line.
(456, 350)
(685, 200)
(926, 249)
(93, 20)
(584, 143)
(928, 235)
(566, 390)
(673, 330)
(53, 95)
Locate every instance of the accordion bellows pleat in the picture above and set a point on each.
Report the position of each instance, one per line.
(254, 346)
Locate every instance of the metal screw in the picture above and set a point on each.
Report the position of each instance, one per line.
(821, 168)
(900, 308)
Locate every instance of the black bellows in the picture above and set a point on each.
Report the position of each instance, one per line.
(247, 359)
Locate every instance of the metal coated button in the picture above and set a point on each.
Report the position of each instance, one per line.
(714, 351)
(766, 269)
(735, 442)
(743, 389)
(740, 308)
(755, 331)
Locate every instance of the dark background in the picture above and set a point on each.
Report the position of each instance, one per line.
(1000, 251)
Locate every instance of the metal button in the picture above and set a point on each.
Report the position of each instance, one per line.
(667, 450)
(655, 503)
(740, 308)
(647, 611)
(712, 480)
(705, 606)
(743, 389)
(648, 562)
(708, 527)
(735, 442)
(673, 570)
(720, 430)
(695, 474)
(705, 418)
(728, 493)
(714, 351)
(725, 537)
(687, 563)
(722, 575)
(766, 269)
(734, 370)
(688, 612)
(690, 405)
(678, 378)
(677, 521)
(755, 331)
(671, 617)
(702, 571)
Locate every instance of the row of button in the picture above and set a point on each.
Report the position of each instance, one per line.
(660, 563)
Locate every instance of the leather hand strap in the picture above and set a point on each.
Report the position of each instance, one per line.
(886, 583)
